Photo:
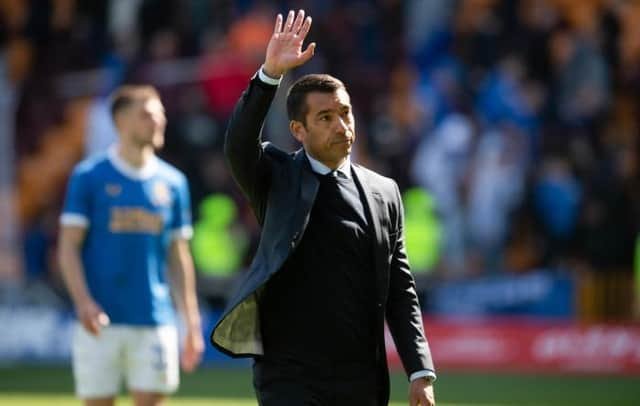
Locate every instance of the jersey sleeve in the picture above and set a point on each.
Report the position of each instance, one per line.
(77, 203)
(181, 226)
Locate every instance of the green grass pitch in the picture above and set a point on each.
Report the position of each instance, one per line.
(45, 386)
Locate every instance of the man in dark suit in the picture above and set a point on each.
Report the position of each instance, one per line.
(331, 263)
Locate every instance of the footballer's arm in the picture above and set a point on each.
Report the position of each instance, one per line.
(89, 313)
(182, 278)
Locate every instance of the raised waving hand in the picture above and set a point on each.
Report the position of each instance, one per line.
(285, 46)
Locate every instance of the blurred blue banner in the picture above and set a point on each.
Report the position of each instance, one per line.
(43, 334)
(539, 293)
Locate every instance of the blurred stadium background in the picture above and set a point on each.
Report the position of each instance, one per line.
(512, 128)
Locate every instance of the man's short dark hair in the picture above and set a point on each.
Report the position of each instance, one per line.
(124, 96)
(297, 107)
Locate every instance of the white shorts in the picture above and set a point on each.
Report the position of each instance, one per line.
(146, 358)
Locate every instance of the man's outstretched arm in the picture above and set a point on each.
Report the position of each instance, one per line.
(243, 140)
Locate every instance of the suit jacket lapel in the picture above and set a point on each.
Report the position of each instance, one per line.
(309, 184)
(373, 201)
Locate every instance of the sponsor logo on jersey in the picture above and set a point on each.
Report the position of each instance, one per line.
(135, 220)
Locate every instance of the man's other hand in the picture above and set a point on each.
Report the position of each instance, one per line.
(92, 317)
(421, 393)
(192, 350)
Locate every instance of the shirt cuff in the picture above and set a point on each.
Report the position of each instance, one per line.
(185, 232)
(73, 219)
(430, 375)
(268, 79)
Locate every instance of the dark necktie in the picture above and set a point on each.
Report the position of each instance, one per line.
(331, 178)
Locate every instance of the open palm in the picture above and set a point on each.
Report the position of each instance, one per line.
(285, 46)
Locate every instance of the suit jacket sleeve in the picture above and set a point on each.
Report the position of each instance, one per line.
(243, 148)
(403, 314)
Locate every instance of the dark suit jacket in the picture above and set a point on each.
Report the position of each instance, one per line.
(281, 189)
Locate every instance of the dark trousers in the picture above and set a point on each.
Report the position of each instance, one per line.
(289, 384)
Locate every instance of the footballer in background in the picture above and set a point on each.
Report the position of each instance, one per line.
(124, 252)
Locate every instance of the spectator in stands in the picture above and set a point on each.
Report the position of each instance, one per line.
(496, 184)
(440, 166)
(557, 196)
(423, 231)
(218, 244)
(126, 211)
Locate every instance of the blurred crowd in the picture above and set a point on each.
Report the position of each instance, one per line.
(511, 126)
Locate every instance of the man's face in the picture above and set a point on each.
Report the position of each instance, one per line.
(329, 131)
(146, 123)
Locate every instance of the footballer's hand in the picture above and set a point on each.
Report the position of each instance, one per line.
(421, 393)
(285, 46)
(192, 350)
(92, 317)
